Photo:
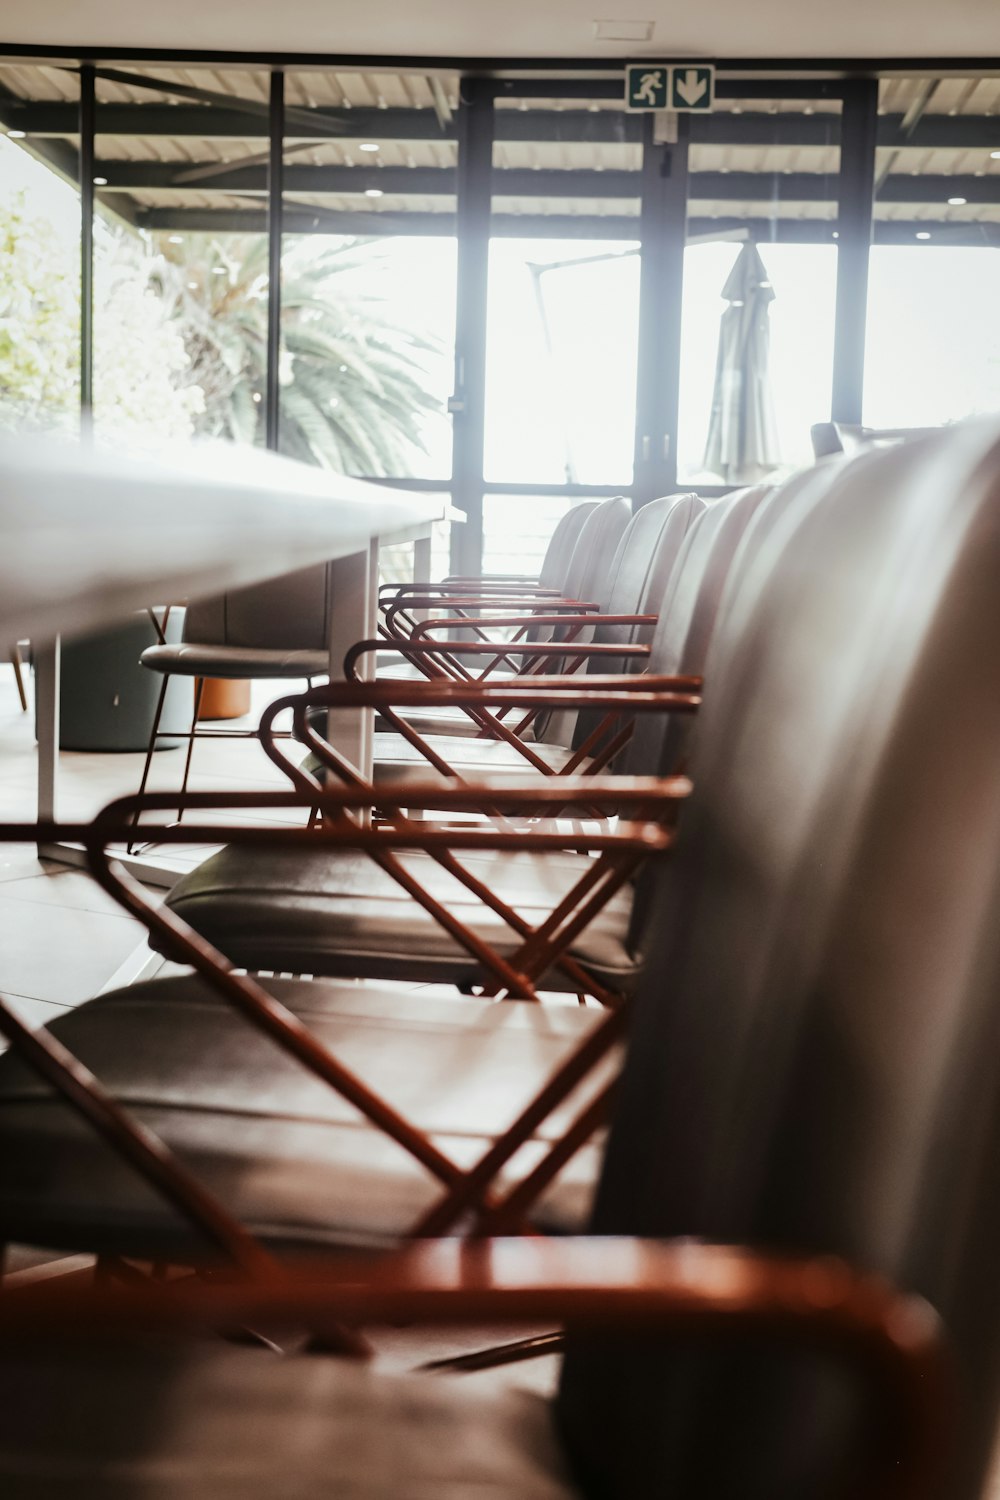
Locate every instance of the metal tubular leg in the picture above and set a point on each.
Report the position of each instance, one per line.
(149, 749)
(198, 692)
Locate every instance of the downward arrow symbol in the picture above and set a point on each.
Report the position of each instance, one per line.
(692, 86)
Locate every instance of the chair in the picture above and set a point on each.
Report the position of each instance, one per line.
(819, 1076)
(626, 615)
(150, 1404)
(829, 438)
(596, 540)
(335, 915)
(277, 630)
(549, 579)
(812, 1058)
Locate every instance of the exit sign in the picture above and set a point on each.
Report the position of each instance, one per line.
(689, 87)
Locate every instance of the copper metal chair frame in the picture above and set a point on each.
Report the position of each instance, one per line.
(627, 1286)
(545, 946)
(682, 691)
(642, 1290)
(144, 1151)
(399, 626)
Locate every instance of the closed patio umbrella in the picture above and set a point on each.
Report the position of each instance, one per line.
(742, 444)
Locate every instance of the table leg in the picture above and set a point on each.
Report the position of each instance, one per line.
(47, 670)
(353, 617)
(422, 567)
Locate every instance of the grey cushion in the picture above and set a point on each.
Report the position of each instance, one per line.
(285, 1153)
(173, 1420)
(338, 914)
(235, 661)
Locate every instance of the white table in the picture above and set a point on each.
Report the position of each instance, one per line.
(88, 535)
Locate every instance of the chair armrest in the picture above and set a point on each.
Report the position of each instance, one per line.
(508, 603)
(431, 650)
(485, 585)
(645, 1290)
(426, 626)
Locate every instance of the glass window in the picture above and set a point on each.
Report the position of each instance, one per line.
(368, 334)
(368, 273)
(563, 295)
(516, 530)
(39, 261)
(931, 352)
(562, 334)
(759, 298)
(180, 259)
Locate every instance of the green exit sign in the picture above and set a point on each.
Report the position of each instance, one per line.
(689, 87)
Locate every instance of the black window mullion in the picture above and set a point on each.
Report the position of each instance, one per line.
(661, 283)
(855, 208)
(468, 404)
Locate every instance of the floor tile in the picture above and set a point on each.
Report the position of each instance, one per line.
(69, 888)
(59, 954)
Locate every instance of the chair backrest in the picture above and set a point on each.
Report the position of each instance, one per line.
(288, 614)
(596, 544)
(559, 552)
(647, 554)
(690, 603)
(813, 1059)
(847, 437)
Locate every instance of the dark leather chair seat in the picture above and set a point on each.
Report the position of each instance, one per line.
(167, 1420)
(317, 913)
(287, 1155)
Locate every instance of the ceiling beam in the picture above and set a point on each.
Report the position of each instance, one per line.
(510, 182)
(751, 127)
(556, 226)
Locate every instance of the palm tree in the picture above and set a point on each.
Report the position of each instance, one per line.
(354, 393)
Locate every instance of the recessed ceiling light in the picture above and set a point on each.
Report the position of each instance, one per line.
(623, 31)
(192, 286)
(100, 182)
(373, 192)
(218, 270)
(836, 234)
(368, 146)
(958, 202)
(16, 135)
(256, 395)
(175, 239)
(923, 234)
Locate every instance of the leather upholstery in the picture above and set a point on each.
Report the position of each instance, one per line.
(642, 562)
(289, 613)
(173, 1420)
(285, 1153)
(823, 1073)
(329, 914)
(691, 602)
(317, 914)
(562, 543)
(645, 546)
(191, 660)
(594, 550)
(279, 628)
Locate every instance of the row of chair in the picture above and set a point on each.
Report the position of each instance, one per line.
(804, 984)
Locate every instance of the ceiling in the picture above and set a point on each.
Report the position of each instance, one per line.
(517, 28)
(378, 150)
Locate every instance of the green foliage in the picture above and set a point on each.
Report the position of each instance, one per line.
(181, 342)
(353, 385)
(140, 363)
